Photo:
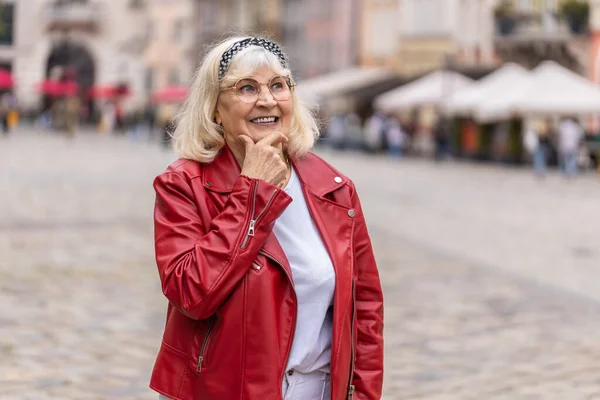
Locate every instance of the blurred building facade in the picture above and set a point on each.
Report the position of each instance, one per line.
(80, 36)
(319, 36)
(216, 19)
(169, 55)
(435, 33)
(529, 31)
(149, 44)
(380, 33)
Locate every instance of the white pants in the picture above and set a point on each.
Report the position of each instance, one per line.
(312, 386)
(297, 386)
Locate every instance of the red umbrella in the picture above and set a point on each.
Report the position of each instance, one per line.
(6, 79)
(101, 92)
(57, 88)
(108, 91)
(69, 88)
(171, 94)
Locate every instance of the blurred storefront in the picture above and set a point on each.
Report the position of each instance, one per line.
(79, 38)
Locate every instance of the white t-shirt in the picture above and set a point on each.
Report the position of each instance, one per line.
(314, 282)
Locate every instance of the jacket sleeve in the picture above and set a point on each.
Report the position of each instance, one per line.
(368, 366)
(199, 266)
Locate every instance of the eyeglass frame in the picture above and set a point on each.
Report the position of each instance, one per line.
(289, 82)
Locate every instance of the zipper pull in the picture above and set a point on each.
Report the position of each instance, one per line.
(351, 392)
(251, 228)
(199, 367)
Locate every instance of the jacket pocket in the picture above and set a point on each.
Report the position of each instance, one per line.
(205, 342)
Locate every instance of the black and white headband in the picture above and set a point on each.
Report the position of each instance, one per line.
(242, 44)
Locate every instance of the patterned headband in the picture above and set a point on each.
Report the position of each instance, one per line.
(242, 44)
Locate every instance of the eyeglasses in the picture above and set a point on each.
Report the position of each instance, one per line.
(248, 89)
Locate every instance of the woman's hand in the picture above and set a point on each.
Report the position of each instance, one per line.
(264, 159)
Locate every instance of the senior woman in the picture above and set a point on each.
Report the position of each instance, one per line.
(261, 246)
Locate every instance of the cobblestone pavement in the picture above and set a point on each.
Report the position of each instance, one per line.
(490, 276)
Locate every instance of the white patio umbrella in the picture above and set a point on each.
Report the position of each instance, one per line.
(316, 90)
(551, 90)
(557, 90)
(431, 90)
(466, 101)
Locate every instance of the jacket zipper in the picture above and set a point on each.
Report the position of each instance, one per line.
(287, 355)
(253, 219)
(350, 385)
(204, 345)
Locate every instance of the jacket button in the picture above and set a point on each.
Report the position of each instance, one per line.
(290, 371)
(337, 179)
(351, 213)
(208, 184)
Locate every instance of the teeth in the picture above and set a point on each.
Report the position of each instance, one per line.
(264, 120)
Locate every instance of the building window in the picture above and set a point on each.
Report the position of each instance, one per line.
(209, 14)
(7, 18)
(178, 30)
(174, 76)
(426, 17)
(150, 34)
(149, 80)
(137, 4)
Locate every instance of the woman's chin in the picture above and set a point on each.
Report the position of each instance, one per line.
(260, 131)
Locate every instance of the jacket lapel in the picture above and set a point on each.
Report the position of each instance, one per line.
(334, 221)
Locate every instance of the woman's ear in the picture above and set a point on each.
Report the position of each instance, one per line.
(217, 119)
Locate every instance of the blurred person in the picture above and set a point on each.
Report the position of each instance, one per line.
(353, 132)
(542, 149)
(72, 114)
(4, 112)
(261, 246)
(500, 135)
(134, 120)
(13, 111)
(336, 131)
(531, 143)
(395, 137)
(375, 131)
(108, 117)
(45, 119)
(149, 119)
(119, 117)
(570, 134)
(441, 133)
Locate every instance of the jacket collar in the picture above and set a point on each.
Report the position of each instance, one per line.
(317, 176)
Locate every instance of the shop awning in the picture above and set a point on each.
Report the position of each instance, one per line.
(431, 90)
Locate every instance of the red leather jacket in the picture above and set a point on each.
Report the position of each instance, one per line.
(232, 307)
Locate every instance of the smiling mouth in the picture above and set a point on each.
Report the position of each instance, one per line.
(264, 120)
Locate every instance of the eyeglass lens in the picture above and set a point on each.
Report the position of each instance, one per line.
(248, 89)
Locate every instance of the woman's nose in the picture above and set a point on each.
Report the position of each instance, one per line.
(265, 97)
